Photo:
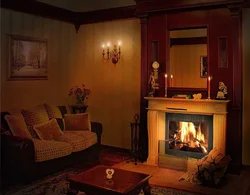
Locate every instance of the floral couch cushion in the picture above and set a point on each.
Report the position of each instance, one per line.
(48, 150)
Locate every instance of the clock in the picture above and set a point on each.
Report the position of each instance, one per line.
(155, 65)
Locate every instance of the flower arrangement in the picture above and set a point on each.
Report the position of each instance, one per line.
(80, 93)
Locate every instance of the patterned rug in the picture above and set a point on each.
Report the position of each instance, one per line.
(58, 184)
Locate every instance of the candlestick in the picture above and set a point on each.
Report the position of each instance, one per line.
(166, 80)
(166, 84)
(171, 80)
(208, 87)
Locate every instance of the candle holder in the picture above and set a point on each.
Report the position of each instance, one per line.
(166, 92)
(208, 95)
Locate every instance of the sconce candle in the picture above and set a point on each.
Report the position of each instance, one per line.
(171, 80)
(114, 54)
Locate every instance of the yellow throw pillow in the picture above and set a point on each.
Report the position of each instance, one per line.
(79, 121)
(17, 125)
(49, 130)
(53, 111)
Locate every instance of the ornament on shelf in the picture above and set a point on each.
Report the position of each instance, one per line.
(197, 96)
(221, 94)
(153, 79)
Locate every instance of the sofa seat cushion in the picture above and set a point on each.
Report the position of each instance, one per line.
(89, 136)
(78, 139)
(48, 150)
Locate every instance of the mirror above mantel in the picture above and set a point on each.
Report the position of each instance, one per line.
(188, 58)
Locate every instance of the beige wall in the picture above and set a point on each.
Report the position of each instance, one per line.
(246, 84)
(75, 59)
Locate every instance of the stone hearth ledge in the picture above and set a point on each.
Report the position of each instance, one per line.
(159, 106)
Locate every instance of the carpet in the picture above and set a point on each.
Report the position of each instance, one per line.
(58, 184)
(163, 182)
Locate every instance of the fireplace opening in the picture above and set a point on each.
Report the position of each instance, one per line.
(188, 135)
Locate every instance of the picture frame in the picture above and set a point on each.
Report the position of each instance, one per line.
(203, 67)
(28, 58)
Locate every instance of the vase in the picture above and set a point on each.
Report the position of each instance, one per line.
(79, 102)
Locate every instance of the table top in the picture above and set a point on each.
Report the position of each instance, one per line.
(122, 181)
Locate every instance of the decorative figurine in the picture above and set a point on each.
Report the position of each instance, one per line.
(152, 85)
(222, 91)
(110, 173)
(197, 96)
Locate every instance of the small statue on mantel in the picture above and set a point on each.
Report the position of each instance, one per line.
(153, 85)
(222, 91)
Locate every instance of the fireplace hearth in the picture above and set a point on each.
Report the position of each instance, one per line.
(203, 121)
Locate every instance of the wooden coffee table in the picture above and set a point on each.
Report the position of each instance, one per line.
(94, 181)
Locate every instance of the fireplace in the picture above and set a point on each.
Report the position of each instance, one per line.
(207, 117)
(188, 134)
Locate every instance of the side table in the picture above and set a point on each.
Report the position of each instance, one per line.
(79, 108)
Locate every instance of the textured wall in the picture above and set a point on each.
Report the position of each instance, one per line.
(75, 59)
(246, 91)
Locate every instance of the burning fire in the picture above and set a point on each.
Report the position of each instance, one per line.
(188, 134)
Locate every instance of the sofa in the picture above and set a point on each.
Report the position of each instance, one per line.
(45, 139)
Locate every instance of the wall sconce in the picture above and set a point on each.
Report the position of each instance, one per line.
(113, 54)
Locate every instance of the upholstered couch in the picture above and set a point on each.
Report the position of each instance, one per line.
(44, 139)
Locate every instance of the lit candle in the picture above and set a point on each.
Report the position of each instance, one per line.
(166, 80)
(208, 84)
(171, 80)
(119, 43)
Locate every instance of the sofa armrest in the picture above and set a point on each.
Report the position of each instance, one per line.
(17, 156)
(96, 127)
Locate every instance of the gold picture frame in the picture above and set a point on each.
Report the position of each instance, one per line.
(28, 58)
(204, 66)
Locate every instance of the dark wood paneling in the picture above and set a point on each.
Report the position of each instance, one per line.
(188, 41)
(157, 32)
(143, 136)
(187, 20)
(146, 6)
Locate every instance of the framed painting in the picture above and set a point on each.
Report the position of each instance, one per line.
(28, 58)
(204, 66)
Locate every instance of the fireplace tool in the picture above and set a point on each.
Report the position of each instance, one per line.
(134, 139)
